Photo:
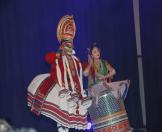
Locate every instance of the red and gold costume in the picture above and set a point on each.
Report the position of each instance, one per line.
(60, 95)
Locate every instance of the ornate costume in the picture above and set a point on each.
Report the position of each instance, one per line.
(60, 94)
(107, 112)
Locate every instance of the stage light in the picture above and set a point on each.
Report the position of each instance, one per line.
(89, 125)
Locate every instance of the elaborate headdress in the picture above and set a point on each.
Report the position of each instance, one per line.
(66, 29)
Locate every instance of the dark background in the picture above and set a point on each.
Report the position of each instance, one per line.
(28, 32)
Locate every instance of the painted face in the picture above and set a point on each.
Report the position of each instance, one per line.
(95, 53)
(68, 48)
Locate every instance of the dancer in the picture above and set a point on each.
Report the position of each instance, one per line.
(60, 94)
(107, 112)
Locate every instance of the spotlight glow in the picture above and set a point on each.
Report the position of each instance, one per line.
(89, 125)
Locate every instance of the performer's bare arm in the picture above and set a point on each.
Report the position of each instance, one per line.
(111, 72)
(88, 68)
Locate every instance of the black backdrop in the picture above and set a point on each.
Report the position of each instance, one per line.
(28, 32)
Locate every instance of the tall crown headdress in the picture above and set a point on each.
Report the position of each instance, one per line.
(66, 29)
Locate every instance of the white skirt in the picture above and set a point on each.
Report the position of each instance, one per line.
(65, 108)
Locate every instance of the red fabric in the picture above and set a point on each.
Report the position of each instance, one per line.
(84, 65)
(51, 108)
(38, 102)
(49, 82)
(65, 118)
(53, 74)
(78, 88)
(50, 57)
(76, 79)
(60, 63)
(46, 85)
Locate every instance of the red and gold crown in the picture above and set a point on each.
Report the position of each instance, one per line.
(66, 29)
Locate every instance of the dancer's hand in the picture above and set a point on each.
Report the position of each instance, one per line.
(90, 60)
(100, 76)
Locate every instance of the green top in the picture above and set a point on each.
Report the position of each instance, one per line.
(102, 69)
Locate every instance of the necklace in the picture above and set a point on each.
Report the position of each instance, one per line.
(97, 66)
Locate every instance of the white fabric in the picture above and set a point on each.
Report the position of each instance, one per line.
(54, 100)
(69, 72)
(118, 89)
(59, 99)
(65, 73)
(113, 72)
(59, 77)
(36, 82)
